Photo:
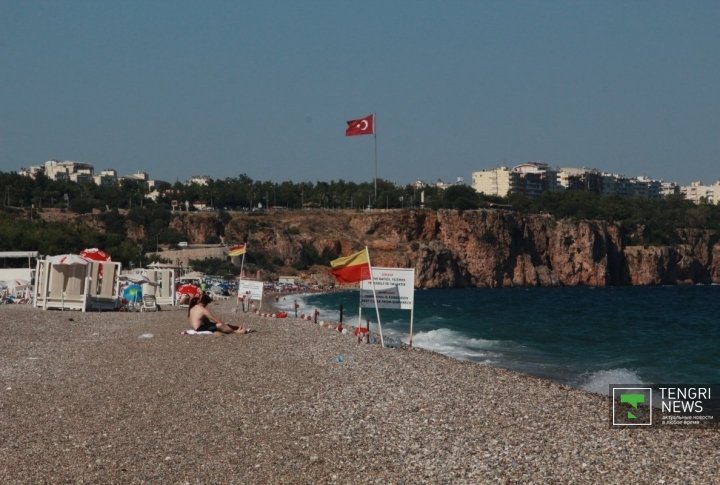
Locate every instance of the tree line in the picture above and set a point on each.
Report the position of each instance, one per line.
(643, 221)
(229, 194)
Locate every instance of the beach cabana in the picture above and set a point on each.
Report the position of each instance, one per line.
(11, 267)
(164, 288)
(159, 283)
(71, 282)
(62, 282)
(104, 285)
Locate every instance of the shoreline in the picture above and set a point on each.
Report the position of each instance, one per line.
(89, 397)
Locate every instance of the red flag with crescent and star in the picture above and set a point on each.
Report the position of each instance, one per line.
(363, 126)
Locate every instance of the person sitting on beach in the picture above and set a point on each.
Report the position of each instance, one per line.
(202, 319)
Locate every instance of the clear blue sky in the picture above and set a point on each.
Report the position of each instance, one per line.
(219, 88)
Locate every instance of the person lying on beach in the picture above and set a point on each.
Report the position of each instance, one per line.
(203, 320)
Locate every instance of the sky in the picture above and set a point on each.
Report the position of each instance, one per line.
(178, 88)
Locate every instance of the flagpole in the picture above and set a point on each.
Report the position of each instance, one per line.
(360, 306)
(412, 317)
(242, 264)
(376, 160)
(377, 310)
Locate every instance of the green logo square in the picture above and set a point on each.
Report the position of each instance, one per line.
(631, 406)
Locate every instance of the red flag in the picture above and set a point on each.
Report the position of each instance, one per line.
(353, 268)
(363, 126)
(237, 250)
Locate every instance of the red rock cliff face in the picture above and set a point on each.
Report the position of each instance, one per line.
(486, 248)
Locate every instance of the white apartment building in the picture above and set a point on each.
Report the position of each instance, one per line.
(495, 181)
(106, 178)
(647, 187)
(698, 192)
(531, 179)
(535, 178)
(669, 188)
(77, 172)
(572, 178)
(199, 179)
(31, 171)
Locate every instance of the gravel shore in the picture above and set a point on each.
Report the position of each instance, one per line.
(125, 398)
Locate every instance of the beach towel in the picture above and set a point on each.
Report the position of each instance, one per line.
(195, 332)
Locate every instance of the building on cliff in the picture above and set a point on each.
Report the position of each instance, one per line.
(78, 172)
(534, 178)
(701, 193)
(494, 181)
(531, 179)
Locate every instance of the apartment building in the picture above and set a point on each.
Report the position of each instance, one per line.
(495, 181)
(535, 178)
(531, 179)
(698, 192)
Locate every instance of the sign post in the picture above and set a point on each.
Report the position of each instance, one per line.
(394, 289)
(253, 289)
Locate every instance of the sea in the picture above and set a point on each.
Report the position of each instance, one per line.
(586, 338)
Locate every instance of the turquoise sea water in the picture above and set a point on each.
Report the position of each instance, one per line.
(583, 337)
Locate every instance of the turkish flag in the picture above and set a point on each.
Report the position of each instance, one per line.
(363, 126)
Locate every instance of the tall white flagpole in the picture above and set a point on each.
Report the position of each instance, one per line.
(376, 160)
(377, 310)
(242, 263)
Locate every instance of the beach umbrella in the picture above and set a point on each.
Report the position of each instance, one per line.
(68, 260)
(18, 283)
(188, 289)
(139, 279)
(161, 265)
(132, 293)
(95, 254)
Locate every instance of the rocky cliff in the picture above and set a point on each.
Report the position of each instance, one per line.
(485, 248)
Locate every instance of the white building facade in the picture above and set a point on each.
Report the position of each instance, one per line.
(494, 181)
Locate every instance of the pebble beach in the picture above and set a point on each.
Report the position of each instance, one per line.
(124, 397)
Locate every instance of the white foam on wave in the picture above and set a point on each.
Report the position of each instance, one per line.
(456, 345)
(287, 303)
(599, 381)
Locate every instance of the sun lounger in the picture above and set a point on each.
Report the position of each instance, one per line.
(149, 304)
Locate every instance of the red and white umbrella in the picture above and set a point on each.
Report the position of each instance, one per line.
(188, 289)
(95, 254)
(68, 260)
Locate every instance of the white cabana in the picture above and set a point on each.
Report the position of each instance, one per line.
(164, 290)
(71, 282)
(104, 285)
(156, 282)
(61, 282)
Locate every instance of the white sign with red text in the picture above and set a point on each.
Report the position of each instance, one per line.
(250, 289)
(394, 288)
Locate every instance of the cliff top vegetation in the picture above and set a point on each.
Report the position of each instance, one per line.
(127, 224)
